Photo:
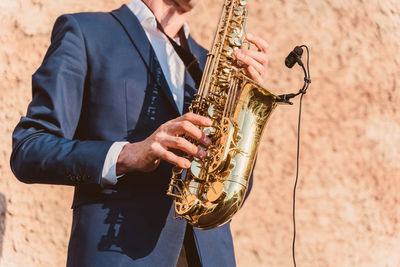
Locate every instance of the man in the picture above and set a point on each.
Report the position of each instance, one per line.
(105, 117)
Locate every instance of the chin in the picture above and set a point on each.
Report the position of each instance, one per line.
(185, 5)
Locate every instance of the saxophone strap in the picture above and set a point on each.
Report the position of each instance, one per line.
(192, 64)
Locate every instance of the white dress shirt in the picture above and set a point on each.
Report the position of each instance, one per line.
(171, 65)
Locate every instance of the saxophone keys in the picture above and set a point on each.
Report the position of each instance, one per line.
(223, 80)
(209, 131)
(235, 41)
(211, 112)
(236, 33)
(239, 11)
(215, 192)
(228, 51)
(186, 205)
(195, 168)
(226, 70)
(216, 161)
(243, 2)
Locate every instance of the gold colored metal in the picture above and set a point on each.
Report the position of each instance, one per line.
(212, 190)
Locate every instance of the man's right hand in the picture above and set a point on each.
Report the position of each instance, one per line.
(145, 156)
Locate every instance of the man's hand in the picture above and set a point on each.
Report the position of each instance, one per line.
(255, 62)
(146, 155)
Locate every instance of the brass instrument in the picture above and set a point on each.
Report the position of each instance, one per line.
(212, 190)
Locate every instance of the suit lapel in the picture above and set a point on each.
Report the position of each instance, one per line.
(139, 39)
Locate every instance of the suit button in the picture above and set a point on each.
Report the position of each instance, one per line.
(79, 178)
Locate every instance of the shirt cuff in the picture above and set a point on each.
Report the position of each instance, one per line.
(109, 174)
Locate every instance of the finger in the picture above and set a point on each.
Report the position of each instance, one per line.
(174, 159)
(196, 119)
(249, 61)
(255, 75)
(259, 42)
(183, 145)
(260, 57)
(189, 129)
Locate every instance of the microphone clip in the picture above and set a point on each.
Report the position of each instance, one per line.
(285, 98)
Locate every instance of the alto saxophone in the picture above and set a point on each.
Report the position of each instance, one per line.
(212, 190)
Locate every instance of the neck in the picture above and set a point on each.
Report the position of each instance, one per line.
(167, 13)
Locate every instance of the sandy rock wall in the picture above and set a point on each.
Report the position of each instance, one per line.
(347, 207)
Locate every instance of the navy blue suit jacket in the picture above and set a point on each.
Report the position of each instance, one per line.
(93, 89)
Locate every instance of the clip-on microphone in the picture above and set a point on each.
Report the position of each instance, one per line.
(293, 58)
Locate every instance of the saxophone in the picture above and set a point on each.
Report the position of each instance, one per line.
(212, 190)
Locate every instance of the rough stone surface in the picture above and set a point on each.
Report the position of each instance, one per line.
(347, 208)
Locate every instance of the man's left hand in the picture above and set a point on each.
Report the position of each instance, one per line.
(255, 62)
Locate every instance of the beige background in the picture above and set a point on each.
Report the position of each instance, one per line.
(348, 201)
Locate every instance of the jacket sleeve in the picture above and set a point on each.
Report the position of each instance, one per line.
(43, 147)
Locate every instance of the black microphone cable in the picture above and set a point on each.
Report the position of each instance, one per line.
(296, 180)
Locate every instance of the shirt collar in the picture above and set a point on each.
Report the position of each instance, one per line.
(146, 17)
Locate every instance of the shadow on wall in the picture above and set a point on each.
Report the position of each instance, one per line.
(3, 208)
